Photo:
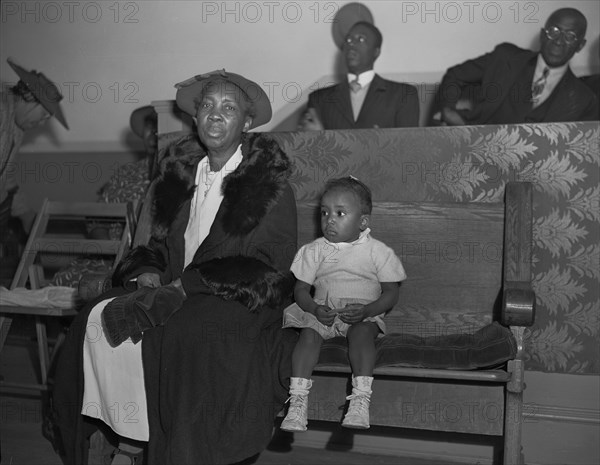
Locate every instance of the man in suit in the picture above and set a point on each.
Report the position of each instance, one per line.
(513, 85)
(593, 82)
(364, 99)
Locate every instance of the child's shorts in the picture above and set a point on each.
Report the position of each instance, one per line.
(295, 317)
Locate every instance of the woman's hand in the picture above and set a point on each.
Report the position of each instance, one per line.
(148, 280)
(324, 315)
(353, 313)
(177, 285)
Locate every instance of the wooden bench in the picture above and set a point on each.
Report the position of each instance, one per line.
(460, 258)
(468, 264)
(469, 259)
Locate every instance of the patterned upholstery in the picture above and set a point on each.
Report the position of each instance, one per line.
(474, 163)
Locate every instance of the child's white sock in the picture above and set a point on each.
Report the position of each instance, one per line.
(362, 384)
(300, 386)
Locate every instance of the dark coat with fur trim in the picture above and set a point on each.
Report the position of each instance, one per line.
(257, 216)
(216, 373)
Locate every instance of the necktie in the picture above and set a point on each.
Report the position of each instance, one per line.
(538, 86)
(355, 85)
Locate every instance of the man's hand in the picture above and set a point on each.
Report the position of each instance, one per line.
(148, 280)
(452, 117)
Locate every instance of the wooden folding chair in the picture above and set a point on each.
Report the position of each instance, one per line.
(43, 241)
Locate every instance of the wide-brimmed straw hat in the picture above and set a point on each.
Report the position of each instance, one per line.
(138, 118)
(190, 89)
(43, 89)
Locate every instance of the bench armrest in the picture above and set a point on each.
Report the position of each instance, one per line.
(518, 297)
(518, 304)
(92, 285)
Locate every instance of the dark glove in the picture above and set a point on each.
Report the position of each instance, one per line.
(130, 315)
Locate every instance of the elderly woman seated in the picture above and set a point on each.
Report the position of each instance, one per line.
(211, 371)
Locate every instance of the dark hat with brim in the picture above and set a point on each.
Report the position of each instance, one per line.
(346, 17)
(138, 118)
(189, 90)
(43, 89)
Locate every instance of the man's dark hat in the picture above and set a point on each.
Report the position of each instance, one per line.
(44, 90)
(188, 90)
(346, 17)
(137, 120)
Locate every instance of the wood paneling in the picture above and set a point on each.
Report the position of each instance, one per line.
(452, 254)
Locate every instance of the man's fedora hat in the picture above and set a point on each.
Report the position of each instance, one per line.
(345, 18)
(190, 89)
(44, 90)
(138, 118)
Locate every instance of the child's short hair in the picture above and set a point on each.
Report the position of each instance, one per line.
(350, 183)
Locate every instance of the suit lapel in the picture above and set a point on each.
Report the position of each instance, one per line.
(342, 101)
(373, 100)
(561, 101)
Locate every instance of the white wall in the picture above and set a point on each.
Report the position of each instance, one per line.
(110, 57)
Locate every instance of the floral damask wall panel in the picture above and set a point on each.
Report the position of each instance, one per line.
(474, 163)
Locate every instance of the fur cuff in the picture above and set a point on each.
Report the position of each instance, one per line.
(246, 280)
(130, 315)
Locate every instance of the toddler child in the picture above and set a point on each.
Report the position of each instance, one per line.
(356, 280)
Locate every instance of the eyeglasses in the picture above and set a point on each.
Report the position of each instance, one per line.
(356, 40)
(554, 33)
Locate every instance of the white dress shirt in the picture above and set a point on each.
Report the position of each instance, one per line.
(206, 202)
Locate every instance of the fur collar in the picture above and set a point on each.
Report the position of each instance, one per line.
(249, 192)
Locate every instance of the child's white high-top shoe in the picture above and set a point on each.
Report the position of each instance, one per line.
(296, 418)
(358, 411)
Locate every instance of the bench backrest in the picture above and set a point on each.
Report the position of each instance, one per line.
(452, 253)
(473, 164)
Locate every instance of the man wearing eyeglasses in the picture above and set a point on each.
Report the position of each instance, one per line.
(513, 85)
(364, 99)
